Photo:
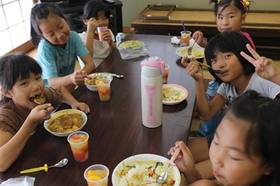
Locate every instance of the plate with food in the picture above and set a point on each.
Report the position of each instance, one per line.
(90, 81)
(197, 52)
(132, 44)
(64, 122)
(173, 94)
(142, 169)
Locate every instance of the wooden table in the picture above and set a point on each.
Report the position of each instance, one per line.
(115, 127)
(264, 27)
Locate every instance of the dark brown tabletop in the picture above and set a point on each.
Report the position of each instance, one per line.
(115, 127)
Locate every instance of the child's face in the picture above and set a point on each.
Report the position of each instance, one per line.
(55, 29)
(102, 19)
(231, 163)
(24, 89)
(229, 62)
(229, 19)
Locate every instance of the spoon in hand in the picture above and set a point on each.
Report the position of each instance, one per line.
(163, 176)
(62, 163)
(215, 71)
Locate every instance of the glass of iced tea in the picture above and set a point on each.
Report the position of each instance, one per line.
(97, 175)
(185, 37)
(79, 145)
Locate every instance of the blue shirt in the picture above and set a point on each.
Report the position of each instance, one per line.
(58, 62)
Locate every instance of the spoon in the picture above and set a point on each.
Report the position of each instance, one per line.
(163, 176)
(190, 48)
(115, 75)
(62, 163)
(215, 71)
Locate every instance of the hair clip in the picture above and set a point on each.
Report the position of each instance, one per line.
(245, 3)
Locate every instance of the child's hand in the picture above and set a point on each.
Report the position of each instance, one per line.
(78, 77)
(198, 37)
(40, 113)
(107, 36)
(264, 66)
(184, 160)
(81, 106)
(193, 69)
(92, 25)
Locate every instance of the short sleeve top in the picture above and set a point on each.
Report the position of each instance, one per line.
(11, 119)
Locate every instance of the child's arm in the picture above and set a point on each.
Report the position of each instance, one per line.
(89, 64)
(11, 146)
(70, 100)
(264, 66)
(92, 24)
(206, 110)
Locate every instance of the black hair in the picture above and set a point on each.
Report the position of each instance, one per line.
(225, 3)
(263, 137)
(38, 12)
(229, 41)
(14, 67)
(92, 8)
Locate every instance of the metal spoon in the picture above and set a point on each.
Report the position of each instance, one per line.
(190, 48)
(115, 75)
(163, 176)
(62, 163)
(215, 71)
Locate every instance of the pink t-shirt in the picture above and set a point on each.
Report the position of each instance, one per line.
(250, 39)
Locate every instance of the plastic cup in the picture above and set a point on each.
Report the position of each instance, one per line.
(100, 31)
(165, 74)
(104, 89)
(97, 175)
(79, 145)
(185, 38)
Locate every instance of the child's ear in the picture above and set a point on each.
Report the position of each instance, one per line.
(85, 21)
(243, 18)
(6, 93)
(269, 169)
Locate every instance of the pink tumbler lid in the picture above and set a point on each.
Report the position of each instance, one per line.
(154, 62)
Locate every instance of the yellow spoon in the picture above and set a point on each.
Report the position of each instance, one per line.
(62, 163)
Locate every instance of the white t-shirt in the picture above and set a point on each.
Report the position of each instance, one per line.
(101, 49)
(262, 86)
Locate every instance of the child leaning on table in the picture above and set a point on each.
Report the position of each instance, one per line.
(230, 15)
(223, 53)
(96, 14)
(245, 149)
(20, 82)
(58, 47)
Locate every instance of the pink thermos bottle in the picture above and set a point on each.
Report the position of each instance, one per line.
(151, 91)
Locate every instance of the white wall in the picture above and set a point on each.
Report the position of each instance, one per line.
(132, 8)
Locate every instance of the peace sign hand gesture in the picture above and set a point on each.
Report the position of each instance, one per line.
(264, 66)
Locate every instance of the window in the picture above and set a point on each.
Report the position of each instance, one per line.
(15, 23)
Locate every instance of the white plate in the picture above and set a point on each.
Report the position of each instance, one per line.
(197, 52)
(132, 44)
(173, 91)
(96, 76)
(151, 160)
(63, 112)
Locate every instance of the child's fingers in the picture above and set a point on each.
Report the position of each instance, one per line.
(253, 52)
